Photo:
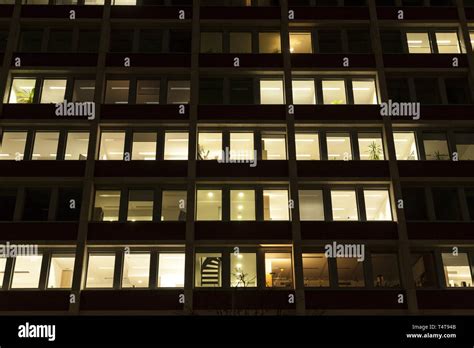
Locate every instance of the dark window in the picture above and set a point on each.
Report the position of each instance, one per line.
(299, 2)
(441, 3)
(427, 91)
(211, 91)
(153, 2)
(60, 41)
(412, 2)
(325, 3)
(385, 270)
(7, 204)
(355, 2)
(180, 41)
(414, 203)
(150, 41)
(457, 91)
(391, 41)
(121, 41)
(446, 204)
(89, 41)
(241, 91)
(330, 41)
(398, 90)
(36, 204)
(69, 204)
(359, 41)
(470, 201)
(3, 40)
(385, 2)
(30, 40)
(424, 270)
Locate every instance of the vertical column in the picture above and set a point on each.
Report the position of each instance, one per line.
(467, 43)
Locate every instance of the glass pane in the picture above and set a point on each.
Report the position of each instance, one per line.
(304, 92)
(311, 205)
(243, 270)
(3, 264)
(7, 207)
(26, 273)
(100, 271)
(37, 204)
(241, 146)
(53, 91)
(107, 203)
(377, 205)
(208, 270)
(424, 270)
(242, 205)
(83, 91)
(121, 40)
(178, 92)
(447, 42)
(88, 41)
(112, 146)
(176, 146)
(241, 91)
(300, 43)
(405, 146)
(148, 91)
(60, 40)
(436, 146)
(211, 42)
(457, 270)
(427, 91)
(150, 41)
(171, 271)
(446, 204)
(269, 42)
(334, 92)
(465, 146)
(136, 270)
(69, 204)
(274, 147)
(307, 146)
(330, 41)
(278, 270)
(418, 43)
(364, 92)
(12, 145)
(173, 206)
(144, 146)
(385, 270)
(211, 91)
(275, 205)
(31, 40)
(370, 146)
(46, 146)
(179, 41)
(209, 205)
(140, 205)
(271, 92)
(240, 42)
(414, 203)
(344, 205)
(339, 146)
(76, 146)
(359, 40)
(350, 272)
(22, 91)
(315, 270)
(117, 92)
(210, 146)
(60, 272)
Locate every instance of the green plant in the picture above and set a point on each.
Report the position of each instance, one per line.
(25, 96)
(411, 156)
(439, 156)
(375, 151)
(337, 101)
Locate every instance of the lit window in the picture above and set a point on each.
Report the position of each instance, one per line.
(269, 43)
(465, 146)
(179, 92)
(117, 92)
(300, 43)
(148, 92)
(278, 270)
(273, 147)
(370, 146)
(53, 91)
(344, 205)
(60, 272)
(436, 146)
(107, 203)
(334, 92)
(173, 206)
(307, 146)
(405, 146)
(3, 265)
(241, 146)
(171, 271)
(77, 146)
(364, 92)
(304, 92)
(350, 272)
(140, 205)
(46, 146)
(471, 35)
(424, 270)
(210, 146)
(271, 92)
(26, 274)
(94, 2)
(447, 42)
(112, 146)
(144, 146)
(315, 270)
(176, 146)
(242, 205)
(243, 270)
(457, 270)
(339, 146)
(208, 270)
(211, 42)
(83, 91)
(275, 205)
(136, 270)
(311, 205)
(125, 2)
(12, 145)
(240, 42)
(385, 270)
(100, 271)
(377, 205)
(209, 205)
(22, 91)
(418, 43)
